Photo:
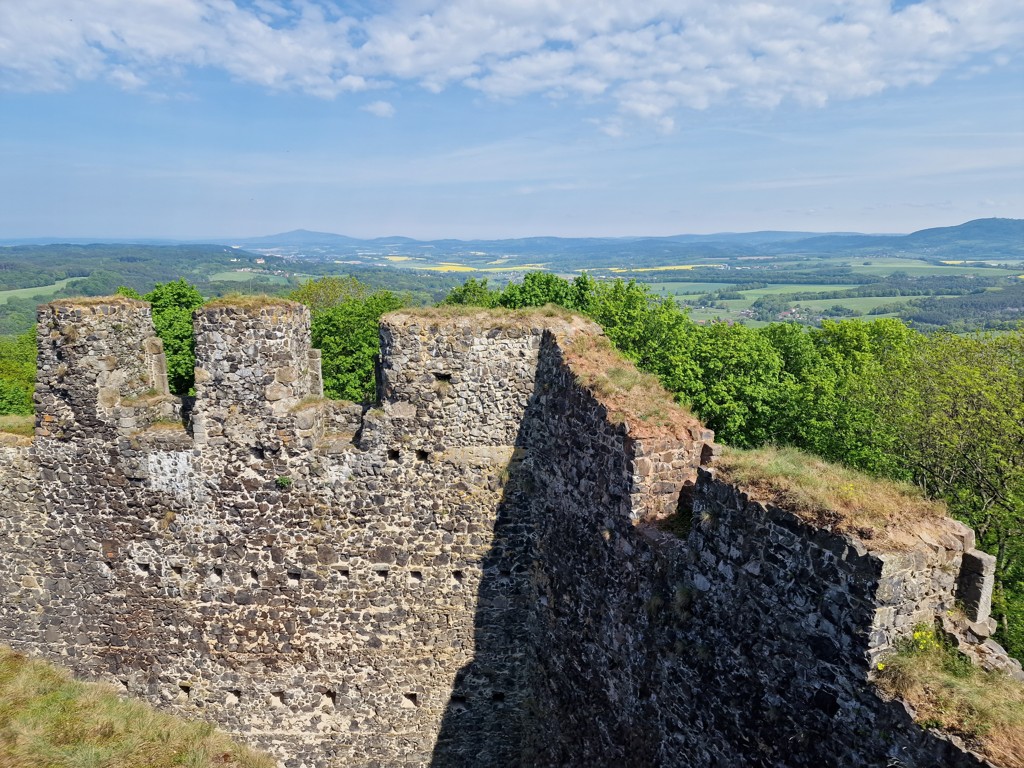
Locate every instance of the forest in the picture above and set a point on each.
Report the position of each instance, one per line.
(940, 410)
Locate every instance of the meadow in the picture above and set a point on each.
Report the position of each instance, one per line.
(42, 292)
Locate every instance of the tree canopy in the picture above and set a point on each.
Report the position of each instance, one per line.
(345, 322)
(173, 304)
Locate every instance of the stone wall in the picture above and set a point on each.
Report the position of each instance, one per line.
(748, 643)
(470, 573)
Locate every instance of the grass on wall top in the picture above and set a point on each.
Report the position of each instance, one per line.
(48, 719)
(99, 301)
(248, 302)
(879, 512)
(488, 317)
(631, 396)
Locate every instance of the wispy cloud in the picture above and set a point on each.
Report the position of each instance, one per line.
(380, 108)
(646, 61)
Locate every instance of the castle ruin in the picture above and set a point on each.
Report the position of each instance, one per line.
(465, 575)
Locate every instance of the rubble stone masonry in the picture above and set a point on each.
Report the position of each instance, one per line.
(468, 574)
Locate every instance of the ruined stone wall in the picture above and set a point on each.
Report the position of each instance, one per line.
(783, 622)
(254, 365)
(748, 643)
(94, 359)
(466, 574)
(302, 573)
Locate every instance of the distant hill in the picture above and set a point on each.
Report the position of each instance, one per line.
(932, 268)
(295, 237)
(981, 238)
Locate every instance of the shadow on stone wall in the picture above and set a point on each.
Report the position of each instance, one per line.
(487, 713)
(597, 642)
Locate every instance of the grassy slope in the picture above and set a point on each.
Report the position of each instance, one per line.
(48, 720)
(945, 691)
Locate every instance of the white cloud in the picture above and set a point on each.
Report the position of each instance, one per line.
(126, 79)
(380, 108)
(647, 61)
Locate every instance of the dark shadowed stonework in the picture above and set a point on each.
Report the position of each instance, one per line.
(467, 575)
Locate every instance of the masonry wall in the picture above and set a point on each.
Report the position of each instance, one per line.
(747, 643)
(468, 574)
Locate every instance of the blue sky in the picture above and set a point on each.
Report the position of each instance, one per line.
(506, 118)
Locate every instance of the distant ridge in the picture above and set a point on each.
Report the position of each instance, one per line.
(296, 237)
(980, 238)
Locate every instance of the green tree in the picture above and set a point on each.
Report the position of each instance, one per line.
(540, 288)
(173, 304)
(862, 356)
(739, 377)
(959, 413)
(347, 335)
(17, 373)
(329, 291)
(805, 401)
(472, 293)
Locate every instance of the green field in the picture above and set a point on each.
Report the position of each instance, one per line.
(238, 276)
(918, 267)
(859, 303)
(697, 289)
(41, 291)
(733, 307)
(776, 289)
(680, 288)
(707, 315)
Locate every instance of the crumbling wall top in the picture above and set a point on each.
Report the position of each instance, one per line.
(251, 306)
(493, 321)
(96, 304)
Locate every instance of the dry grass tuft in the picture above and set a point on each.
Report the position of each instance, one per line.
(166, 425)
(23, 426)
(48, 719)
(497, 317)
(947, 692)
(97, 301)
(309, 401)
(630, 396)
(832, 496)
(249, 301)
